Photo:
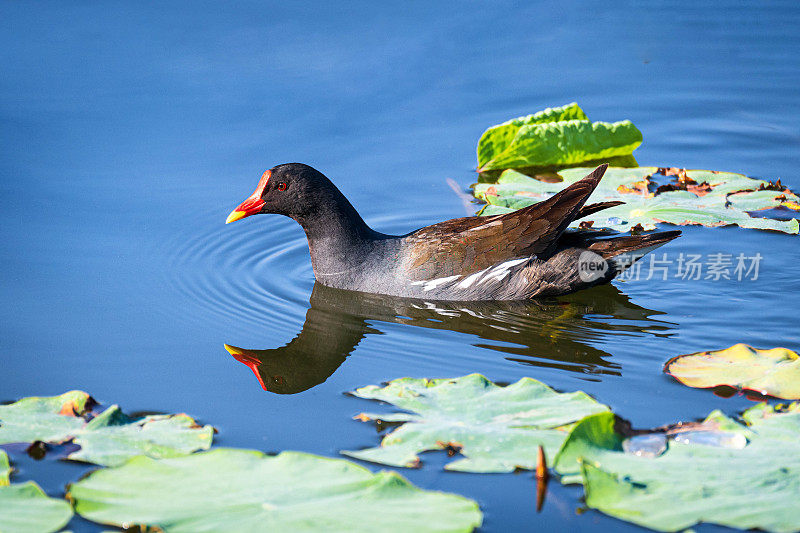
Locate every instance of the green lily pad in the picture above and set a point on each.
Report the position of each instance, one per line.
(739, 473)
(246, 490)
(497, 139)
(560, 136)
(698, 197)
(25, 507)
(774, 372)
(5, 469)
(110, 438)
(495, 428)
(564, 142)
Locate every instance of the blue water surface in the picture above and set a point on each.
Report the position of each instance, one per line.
(130, 130)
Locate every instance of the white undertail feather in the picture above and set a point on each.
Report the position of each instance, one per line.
(469, 280)
(500, 271)
(433, 283)
(493, 273)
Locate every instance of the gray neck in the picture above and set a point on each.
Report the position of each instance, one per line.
(338, 238)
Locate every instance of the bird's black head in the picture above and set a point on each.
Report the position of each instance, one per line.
(291, 189)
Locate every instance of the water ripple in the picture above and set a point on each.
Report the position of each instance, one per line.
(255, 272)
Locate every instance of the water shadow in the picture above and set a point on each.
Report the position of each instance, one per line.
(557, 333)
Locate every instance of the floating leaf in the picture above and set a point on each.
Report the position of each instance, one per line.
(497, 139)
(695, 197)
(774, 372)
(25, 507)
(743, 474)
(5, 469)
(559, 136)
(245, 490)
(563, 143)
(37, 418)
(110, 438)
(495, 428)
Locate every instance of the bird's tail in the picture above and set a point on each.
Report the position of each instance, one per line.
(622, 252)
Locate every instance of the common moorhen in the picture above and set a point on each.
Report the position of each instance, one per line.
(515, 256)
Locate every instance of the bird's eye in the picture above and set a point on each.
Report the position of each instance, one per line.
(282, 186)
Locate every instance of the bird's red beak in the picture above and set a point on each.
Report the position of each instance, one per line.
(251, 361)
(253, 204)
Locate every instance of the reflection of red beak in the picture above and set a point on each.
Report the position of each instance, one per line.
(251, 361)
(253, 204)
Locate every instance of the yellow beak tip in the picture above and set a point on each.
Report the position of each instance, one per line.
(233, 350)
(234, 216)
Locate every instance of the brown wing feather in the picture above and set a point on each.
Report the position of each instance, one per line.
(469, 244)
(594, 208)
(628, 243)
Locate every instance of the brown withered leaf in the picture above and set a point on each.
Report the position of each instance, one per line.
(670, 187)
(637, 187)
(70, 408)
(773, 186)
(679, 173)
(700, 189)
(542, 477)
(37, 450)
(541, 464)
(452, 448)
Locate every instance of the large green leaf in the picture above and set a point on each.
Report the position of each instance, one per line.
(497, 139)
(25, 507)
(108, 439)
(564, 143)
(697, 197)
(244, 490)
(743, 474)
(774, 372)
(495, 428)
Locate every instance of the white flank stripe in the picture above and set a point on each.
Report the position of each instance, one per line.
(432, 284)
(496, 272)
(500, 271)
(472, 278)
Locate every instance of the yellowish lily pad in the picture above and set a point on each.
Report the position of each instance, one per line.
(771, 372)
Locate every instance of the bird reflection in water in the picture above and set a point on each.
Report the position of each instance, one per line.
(555, 333)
